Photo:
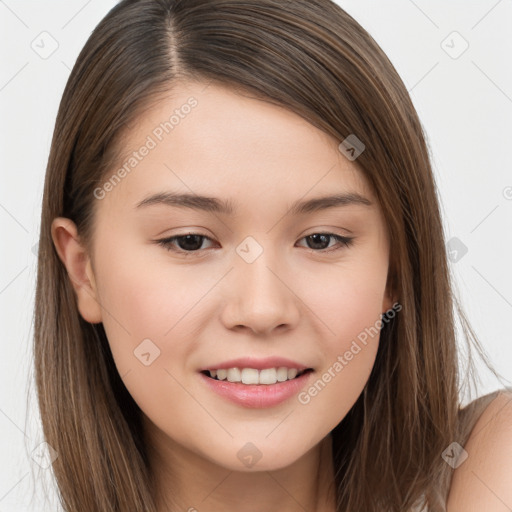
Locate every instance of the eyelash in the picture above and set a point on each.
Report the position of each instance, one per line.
(167, 243)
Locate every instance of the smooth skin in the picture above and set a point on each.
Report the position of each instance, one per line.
(482, 483)
(298, 299)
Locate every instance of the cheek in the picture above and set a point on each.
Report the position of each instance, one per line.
(347, 301)
(340, 382)
(147, 293)
(144, 300)
(349, 350)
(152, 313)
(346, 298)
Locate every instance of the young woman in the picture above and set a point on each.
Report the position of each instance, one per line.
(243, 297)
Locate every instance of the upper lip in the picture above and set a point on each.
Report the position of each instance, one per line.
(257, 364)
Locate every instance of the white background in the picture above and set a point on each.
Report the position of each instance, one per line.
(465, 105)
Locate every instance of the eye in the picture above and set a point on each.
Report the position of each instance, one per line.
(191, 243)
(320, 239)
(188, 243)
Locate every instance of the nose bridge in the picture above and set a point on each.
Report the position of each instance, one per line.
(253, 267)
(261, 298)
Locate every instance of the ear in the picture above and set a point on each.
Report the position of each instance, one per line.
(388, 300)
(79, 268)
(386, 304)
(390, 294)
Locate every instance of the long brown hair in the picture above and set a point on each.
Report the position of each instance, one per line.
(314, 59)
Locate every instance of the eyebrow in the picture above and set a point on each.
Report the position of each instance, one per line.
(215, 205)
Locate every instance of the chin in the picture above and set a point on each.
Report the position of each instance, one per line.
(253, 457)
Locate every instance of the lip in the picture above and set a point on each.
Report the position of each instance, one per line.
(257, 364)
(257, 396)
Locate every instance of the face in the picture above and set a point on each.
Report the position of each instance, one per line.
(185, 287)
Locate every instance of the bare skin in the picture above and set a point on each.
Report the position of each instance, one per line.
(306, 300)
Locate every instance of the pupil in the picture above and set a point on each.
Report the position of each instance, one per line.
(315, 238)
(184, 242)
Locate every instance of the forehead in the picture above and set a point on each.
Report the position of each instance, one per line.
(211, 140)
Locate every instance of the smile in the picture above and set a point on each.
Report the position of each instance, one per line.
(257, 395)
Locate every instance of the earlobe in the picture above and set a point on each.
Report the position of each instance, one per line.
(390, 294)
(387, 303)
(78, 265)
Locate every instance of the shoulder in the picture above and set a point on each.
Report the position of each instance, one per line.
(482, 481)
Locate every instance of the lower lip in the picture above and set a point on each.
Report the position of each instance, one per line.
(258, 396)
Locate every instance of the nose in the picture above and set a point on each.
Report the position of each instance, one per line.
(261, 296)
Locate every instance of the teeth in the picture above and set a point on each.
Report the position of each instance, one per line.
(234, 375)
(253, 376)
(250, 376)
(292, 373)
